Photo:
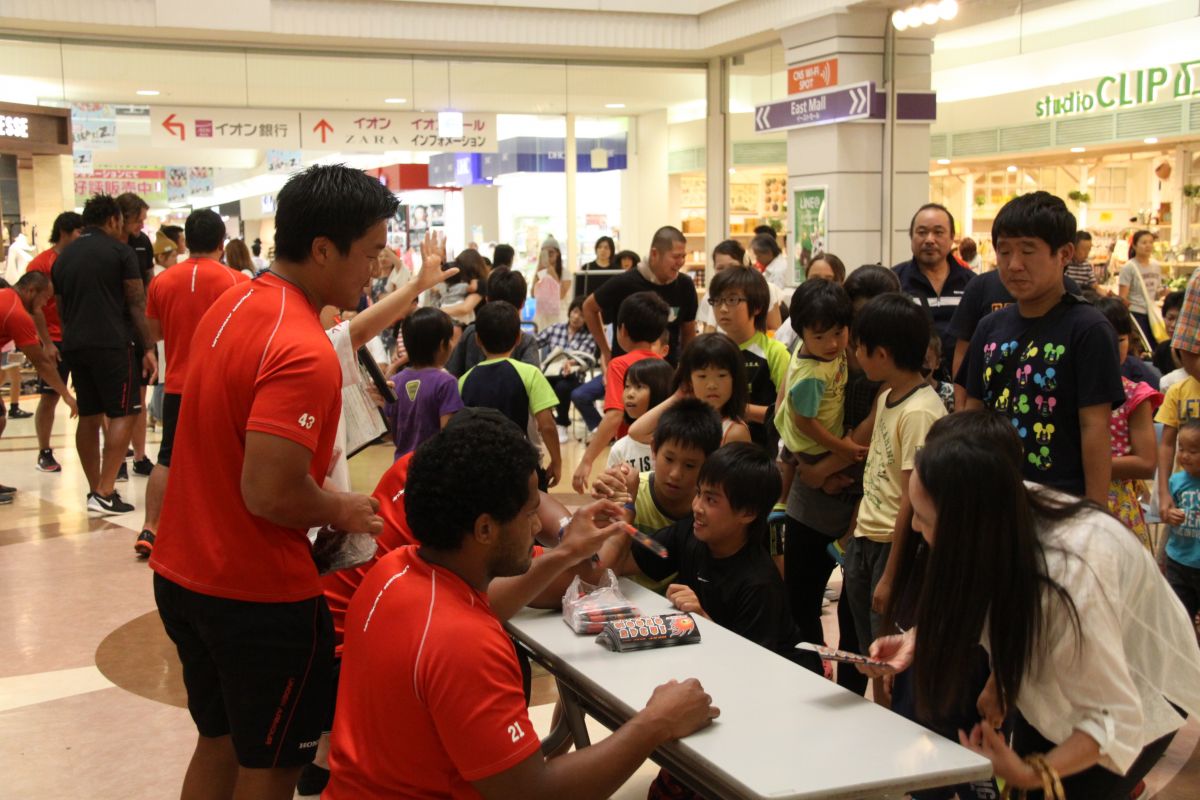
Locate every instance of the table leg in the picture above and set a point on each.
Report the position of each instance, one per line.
(573, 715)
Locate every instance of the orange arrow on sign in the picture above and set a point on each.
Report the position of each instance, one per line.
(175, 128)
(324, 127)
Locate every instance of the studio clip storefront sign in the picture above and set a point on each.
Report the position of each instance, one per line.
(1125, 90)
(810, 206)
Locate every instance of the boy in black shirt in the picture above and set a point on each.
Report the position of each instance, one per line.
(724, 572)
(1048, 363)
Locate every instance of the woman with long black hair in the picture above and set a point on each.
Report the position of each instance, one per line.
(1088, 645)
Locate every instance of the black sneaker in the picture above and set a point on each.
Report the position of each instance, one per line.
(312, 780)
(123, 473)
(9, 490)
(144, 544)
(47, 463)
(129, 453)
(16, 412)
(143, 466)
(113, 504)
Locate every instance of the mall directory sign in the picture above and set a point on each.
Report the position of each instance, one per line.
(824, 107)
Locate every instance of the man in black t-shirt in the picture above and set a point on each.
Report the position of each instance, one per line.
(1049, 363)
(659, 273)
(133, 211)
(932, 278)
(719, 554)
(102, 302)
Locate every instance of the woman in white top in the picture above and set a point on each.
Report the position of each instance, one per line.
(1139, 295)
(1087, 643)
(775, 264)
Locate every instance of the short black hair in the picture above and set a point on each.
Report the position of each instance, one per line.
(732, 248)
(895, 322)
(503, 255)
(498, 326)
(255, 248)
(204, 230)
(747, 476)
(424, 331)
(1082, 236)
(766, 230)
(65, 223)
(716, 350)
(175, 234)
(472, 468)
(38, 281)
(870, 280)
(751, 284)
(335, 202)
(912, 224)
(99, 209)
(644, 316)
(507, 285)
(765, 243)
(1116, 313)
(632, 256)
(1038, 215)
(576, 303)
(689, 423)
(1190, 425)
(1173, 302)
(821, 306)
(653, 373)
(665, 239)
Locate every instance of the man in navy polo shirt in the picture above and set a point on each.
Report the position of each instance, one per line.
(932, 278)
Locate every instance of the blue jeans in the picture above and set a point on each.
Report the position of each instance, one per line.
(585, 398)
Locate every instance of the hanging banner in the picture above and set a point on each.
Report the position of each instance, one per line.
(149, 183)
(283, 161)
(381, 131)
(93, 126)
(810, 206)
(82, 162)
(200, 181)
(177, 185)
(183, 127)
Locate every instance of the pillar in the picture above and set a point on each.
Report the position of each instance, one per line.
(877, 174)
(716, 159)
(46, 186)
(650, 206)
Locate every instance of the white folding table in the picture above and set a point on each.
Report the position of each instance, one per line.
(784, 732)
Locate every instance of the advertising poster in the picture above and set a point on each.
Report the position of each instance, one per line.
(200, 181)
(93, 126)
(810, 206)
(147, 182)
(283, 161)
(177, 184)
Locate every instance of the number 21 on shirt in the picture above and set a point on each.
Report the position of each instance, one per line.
(516, 732)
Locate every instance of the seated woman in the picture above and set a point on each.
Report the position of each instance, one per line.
(1089, 649)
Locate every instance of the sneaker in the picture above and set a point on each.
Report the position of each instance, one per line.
(10, 490)
(129, 453)
(47, 463)
(123, 473)
(113, 504)
(562, 434)
(144, 544)
(312, 780)
(16, 412)
(143, 466)
(6, 499)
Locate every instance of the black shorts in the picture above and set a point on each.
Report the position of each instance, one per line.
(105, 380)
(258, 672)
(170, 412)
(63, 372)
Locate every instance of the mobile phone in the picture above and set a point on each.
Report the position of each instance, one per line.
(843, 656)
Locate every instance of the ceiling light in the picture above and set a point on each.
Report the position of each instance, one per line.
(395, 100)
(948, 9)
(148, 92)
(943, 161)
(929, 13)
(614, 105)
(1151, 140)
(1078, 149)
(1012, 168)
(912, 16)
(899, 20)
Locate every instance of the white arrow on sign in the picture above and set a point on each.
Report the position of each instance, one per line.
(761, 117)
(858, 100)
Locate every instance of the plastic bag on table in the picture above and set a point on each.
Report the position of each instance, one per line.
(586, 608)
(334, 550)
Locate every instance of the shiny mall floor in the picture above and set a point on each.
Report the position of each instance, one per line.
(91, 700)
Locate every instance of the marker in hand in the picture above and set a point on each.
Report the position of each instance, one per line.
(645, 541)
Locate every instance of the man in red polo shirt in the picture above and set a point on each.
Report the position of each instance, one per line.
(430, 702)
(175, 303)
(16, 326)
(67, 227)
(235, 582)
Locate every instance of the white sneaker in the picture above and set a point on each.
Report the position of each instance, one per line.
(562, 434)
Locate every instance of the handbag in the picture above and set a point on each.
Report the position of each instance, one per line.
(1157, 326)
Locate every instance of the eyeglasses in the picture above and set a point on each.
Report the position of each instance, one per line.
(731, 302)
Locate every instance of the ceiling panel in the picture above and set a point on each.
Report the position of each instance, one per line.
(282, 80)
(98, 73)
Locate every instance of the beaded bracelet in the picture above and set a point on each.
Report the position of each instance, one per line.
(1052, 788)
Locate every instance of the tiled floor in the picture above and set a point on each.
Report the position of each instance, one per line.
(91, 703)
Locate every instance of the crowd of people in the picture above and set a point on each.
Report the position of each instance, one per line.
(973, 451)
